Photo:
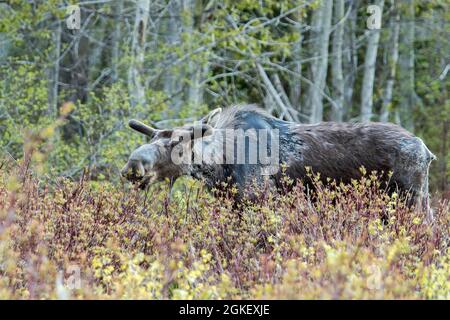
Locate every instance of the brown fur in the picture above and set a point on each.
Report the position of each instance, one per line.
(335, 150)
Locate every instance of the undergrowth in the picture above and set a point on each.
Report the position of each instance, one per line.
(84, 240)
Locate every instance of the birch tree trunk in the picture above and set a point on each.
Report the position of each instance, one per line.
(116, 41)
(321, 25)
(135, 78)
(392, 63)
(406, 66)
(369, 71)
(350, 62)
(53, 96)
(196, 69)
(295, 87)
(171, 29)
(96, 72)
(337, 113)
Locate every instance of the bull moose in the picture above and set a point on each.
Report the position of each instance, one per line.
(335, 150)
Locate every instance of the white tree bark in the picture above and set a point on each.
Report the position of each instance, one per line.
(291, 112)
(135, 78)
(369, 71)
(271, 90)
(392, 61)
(172, 78)
(406, 66)
(53, 96)
(321, 25)
(350, 63)
(116, 41)
(196, 71)
(337, 113)
(295, 87)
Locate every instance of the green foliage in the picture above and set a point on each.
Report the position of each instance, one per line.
(24, 104)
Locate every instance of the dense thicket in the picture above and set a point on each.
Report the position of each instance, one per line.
(80, 240)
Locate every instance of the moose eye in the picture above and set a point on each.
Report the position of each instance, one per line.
(176, 140)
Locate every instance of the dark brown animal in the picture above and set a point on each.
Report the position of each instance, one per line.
(335, 150)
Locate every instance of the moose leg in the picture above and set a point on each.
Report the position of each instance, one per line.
(417, 192)
(413, 165)
(424, 200)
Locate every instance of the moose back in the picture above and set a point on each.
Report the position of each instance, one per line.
(243, 144)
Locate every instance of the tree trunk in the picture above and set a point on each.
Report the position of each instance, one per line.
(271, 90)
(116, 41)
(135, 81)
(406, 66)
(337, 113)
(171, 29)
(321, 25)
(196, 69)
(295, 87)
(53, 96)
(392, 61)
(369, 71)
(350, 62)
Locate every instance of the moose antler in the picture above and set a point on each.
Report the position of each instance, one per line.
(142, 127)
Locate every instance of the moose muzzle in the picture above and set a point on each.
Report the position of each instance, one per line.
(133, 170)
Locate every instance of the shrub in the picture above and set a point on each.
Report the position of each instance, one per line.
(339, 242)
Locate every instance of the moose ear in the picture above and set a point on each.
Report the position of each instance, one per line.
(212, 117)
(142, 128)
(201, 131)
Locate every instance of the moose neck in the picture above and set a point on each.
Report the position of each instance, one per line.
(231, 155)
(207, 159)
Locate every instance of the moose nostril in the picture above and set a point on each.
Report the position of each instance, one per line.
(133, 171)
(139, 170)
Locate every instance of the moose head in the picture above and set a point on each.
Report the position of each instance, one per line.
(159, 159)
